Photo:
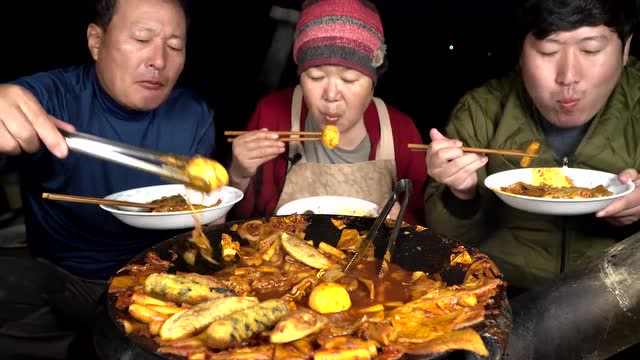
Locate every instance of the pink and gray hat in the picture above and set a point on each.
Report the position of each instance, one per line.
(339, 32)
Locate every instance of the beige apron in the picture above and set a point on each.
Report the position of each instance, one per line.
(372, 180)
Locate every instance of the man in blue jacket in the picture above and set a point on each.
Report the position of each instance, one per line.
(127, 95)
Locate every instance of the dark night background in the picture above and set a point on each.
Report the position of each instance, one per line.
(437, 50)
(228, 43)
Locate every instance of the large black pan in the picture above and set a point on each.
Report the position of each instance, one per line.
(421, 250)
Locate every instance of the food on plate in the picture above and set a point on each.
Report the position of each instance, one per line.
(550, 192)
(178, 202)
(554, 184)
(532, 149)
(282, 297)
(330, 136)
(554, 177)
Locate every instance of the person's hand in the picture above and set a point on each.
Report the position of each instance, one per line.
(625, 210)
(24, 123)
(251, 150)
(449, 165)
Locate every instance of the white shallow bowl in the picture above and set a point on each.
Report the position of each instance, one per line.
(330, 205)
(143, 219)
(580, 177)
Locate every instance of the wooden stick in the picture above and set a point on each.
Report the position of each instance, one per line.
(235, 133)
(424, 147)
(97, 201)
(301, 139)
(291, 139)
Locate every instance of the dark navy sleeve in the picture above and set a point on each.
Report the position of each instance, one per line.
(41, 85)
(205, 143)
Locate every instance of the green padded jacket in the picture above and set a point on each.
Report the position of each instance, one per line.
(531, 248)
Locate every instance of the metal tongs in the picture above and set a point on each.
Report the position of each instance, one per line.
(170, 167)
(403, 186)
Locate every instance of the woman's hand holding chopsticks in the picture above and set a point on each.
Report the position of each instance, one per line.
(283, 135)
(250, 150)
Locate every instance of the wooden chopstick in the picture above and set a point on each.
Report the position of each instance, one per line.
(316, 135)
(97, 201)
(236, 133)
(291, 139)
(301, 139)
(424, 147)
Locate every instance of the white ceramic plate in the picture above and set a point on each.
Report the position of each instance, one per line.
(580, 177)
(141, 218)
(330, 205)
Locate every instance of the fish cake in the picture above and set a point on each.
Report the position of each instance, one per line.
(190, 321)
(241, 325)
(179, 289)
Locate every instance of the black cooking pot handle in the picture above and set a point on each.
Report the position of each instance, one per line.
(591, 312)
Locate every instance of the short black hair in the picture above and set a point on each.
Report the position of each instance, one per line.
(541, 18)
(106, 8)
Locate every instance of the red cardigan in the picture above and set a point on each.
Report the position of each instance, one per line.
(274, 113)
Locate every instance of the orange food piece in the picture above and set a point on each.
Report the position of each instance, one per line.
(330, 136)
(531, 149)
(209, 170)
(554, 177)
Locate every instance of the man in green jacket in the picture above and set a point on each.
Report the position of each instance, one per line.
(577, 92)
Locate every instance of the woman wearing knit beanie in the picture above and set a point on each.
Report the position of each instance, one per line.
(339, 50)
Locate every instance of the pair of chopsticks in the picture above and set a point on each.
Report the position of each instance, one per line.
(317, 135)
(312, 135)
(96, 201)
(424, 147)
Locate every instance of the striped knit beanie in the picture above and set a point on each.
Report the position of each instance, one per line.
(339, 32)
